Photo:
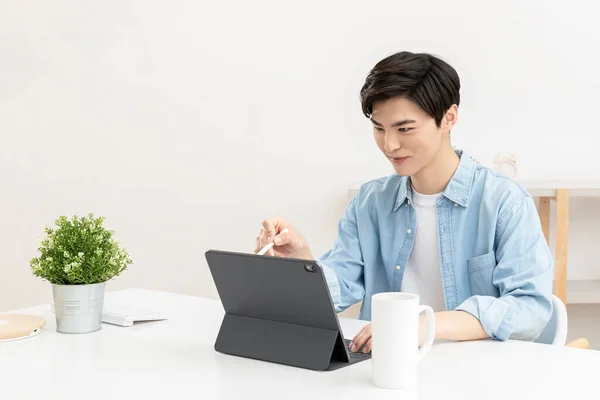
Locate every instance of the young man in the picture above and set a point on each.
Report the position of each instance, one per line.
(464, 238)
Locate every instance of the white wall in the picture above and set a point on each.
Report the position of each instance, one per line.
(186, 122)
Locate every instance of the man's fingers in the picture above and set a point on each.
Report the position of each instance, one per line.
(282, 239)
(259, 241)
(263, 237)
(368, 345)
(358, 334)
(269, 228)
(359, 341)
(276, 231)
(361, 338)
(257, 245)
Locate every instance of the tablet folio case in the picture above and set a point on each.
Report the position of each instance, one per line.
(280, 342)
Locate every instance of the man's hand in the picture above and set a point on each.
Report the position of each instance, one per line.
(449, 325)
(363, 342)
(289, 244)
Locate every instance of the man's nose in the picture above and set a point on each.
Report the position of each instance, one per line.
(392, 142)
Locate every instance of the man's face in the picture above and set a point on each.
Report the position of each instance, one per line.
(406, 134)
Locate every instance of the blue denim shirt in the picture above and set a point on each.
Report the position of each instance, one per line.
(495, 262)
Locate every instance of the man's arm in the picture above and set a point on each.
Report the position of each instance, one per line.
(523, 276)
(454, 325)
(449, 325)
(343, 265)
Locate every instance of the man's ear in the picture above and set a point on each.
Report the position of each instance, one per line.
(450, 118)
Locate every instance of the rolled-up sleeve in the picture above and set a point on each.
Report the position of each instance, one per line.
(343, 263)
(523, 276)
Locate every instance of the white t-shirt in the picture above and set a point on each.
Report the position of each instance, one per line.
(423, 274)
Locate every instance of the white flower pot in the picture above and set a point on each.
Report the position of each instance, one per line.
(78, 308)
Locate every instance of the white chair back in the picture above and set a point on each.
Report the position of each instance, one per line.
(555, 333)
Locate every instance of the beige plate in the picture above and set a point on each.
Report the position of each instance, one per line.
(19, 326)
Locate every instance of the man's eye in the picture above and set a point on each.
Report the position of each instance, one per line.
(405, 130)
(378, 129)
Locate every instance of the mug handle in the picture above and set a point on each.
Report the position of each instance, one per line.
(430, 331)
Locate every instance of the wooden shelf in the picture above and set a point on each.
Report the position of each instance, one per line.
(576, 188)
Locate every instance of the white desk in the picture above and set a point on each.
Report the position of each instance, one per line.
(175, 358)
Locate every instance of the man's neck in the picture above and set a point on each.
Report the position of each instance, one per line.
(435, 177)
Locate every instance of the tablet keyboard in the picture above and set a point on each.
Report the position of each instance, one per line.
(359, 354)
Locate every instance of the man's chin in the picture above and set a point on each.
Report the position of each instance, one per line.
(404, 170)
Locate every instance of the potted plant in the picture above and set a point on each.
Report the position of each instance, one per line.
(78, 257)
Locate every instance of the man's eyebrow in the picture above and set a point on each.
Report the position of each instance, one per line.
(395, 124)
(376, 123)
(403, 122)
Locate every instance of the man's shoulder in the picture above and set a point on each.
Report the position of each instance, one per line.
(493, 185)
(384, 185)
(488, 186)
(381, 191)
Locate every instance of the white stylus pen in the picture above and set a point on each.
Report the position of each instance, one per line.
(269, 245)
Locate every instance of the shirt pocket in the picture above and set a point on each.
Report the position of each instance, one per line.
(481, 274)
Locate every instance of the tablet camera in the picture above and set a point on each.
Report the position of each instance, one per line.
(310, 268)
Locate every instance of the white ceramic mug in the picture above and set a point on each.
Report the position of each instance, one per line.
(395, 328)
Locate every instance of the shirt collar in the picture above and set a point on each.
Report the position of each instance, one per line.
(458, 189)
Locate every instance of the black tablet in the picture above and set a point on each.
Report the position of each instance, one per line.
(278, 310)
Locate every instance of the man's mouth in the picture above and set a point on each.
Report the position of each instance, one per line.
(398, 160)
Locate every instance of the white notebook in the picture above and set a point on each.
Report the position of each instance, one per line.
(123, 314)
